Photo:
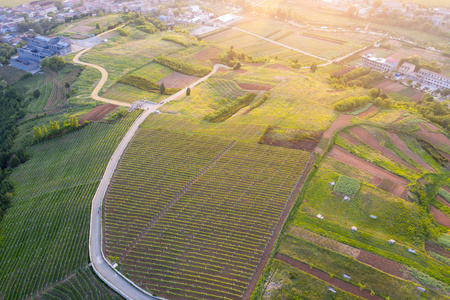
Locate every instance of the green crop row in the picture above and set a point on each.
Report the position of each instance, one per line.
(182, 67)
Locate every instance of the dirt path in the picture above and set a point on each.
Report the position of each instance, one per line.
(401, 145)
(440, 217)
(372, 142)
(341, 121)
(94, 94)
(342, 155)
(273, 239)
(343, 285)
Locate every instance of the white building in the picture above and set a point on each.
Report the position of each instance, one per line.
(408, 70)
(433, 79)
(380, 64)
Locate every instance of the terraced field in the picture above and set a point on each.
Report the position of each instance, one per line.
(190, 216)
(45, 230)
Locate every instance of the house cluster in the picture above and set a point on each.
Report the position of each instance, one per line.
(437, 16)
(424, 76)
(38, 48)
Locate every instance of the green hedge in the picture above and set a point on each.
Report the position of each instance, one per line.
(230, 109)
(144, 84)
(182, 67)
(177, 40)
(444, 194)
(351, 103)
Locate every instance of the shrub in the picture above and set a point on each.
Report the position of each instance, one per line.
(182, 67)
(116, 114)
(351, 103)
(177, 40)
(188, 91)
(347, 186)
(54, 63)
(230, 109)
(122, 32)
(36, 93)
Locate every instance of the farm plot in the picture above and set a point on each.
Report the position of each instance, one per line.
(10, 74)
(152, 72)
(46, 227)
(130, 94)
(210, 238)
(177, 80)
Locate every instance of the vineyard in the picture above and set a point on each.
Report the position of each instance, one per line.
(46, 228)
(189, 216)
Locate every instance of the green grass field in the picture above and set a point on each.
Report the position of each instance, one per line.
(45, 230)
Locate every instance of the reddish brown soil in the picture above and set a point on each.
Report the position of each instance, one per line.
(341, 121)
(435, 138)
(371, 141)
(307, 144)
(342, 155)
(278, 67)
(417, 96)
(266, 254)
(177, 80)
(389, 86)
(98, 113)
(440, 217)
(442, 200)
(376, 181)
(207, 54)
(381, 263)
(432, 127)
(364, 114)
(255, 86)
(343, 285)
(401, 145)
(445, 155)
(436, 249)
(349, 138)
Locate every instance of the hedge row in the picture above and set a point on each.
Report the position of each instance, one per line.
(176, 40)
(182, 67)
(351, 103)
(228, 110)
(144, 84)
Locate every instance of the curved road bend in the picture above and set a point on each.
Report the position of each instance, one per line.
(94, 94)
(101, 266)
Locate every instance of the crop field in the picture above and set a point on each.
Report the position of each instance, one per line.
(125, 54)
(130, 94)
(161, 242)
(10, 74)
(255, 46)
(152, 72)
(45, 230)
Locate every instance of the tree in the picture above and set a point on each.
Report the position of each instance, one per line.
(14, 161)
(36, 93)
(374, 93)
(59, 5)
(162, 89)
(44, 130)
(313, 67)
(188, 91)
(67, 85)
(55, 63)
(74, 122)
(37, 133)
(237, 66)
(98, 26)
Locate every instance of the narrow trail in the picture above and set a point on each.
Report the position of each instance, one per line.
(103, 79)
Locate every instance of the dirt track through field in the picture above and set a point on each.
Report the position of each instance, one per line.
(343, 285)
(401, 145)
(342, 155)
(372, 142)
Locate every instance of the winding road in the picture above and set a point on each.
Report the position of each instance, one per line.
(101, 266)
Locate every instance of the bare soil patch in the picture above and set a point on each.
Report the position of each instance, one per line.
(389, 86)
(340, 122)
(368, 112)
(350, 138)
(376, 181)
(429, 246)
(343, 285)
(278, 67)
(372, 142)
(255, 86)
(177, 80)
(207, 54)
(78, 36)
(383, 264)
(440, 217)
(343, 72)
(435, 138)
(417, 96)
(98, 113)
(431, 127)
(82, 29)
(343, 156)
(301, 140)
(401, 145)
(442, 200)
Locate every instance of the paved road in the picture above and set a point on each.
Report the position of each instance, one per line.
(120, 284)
(102, 70)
